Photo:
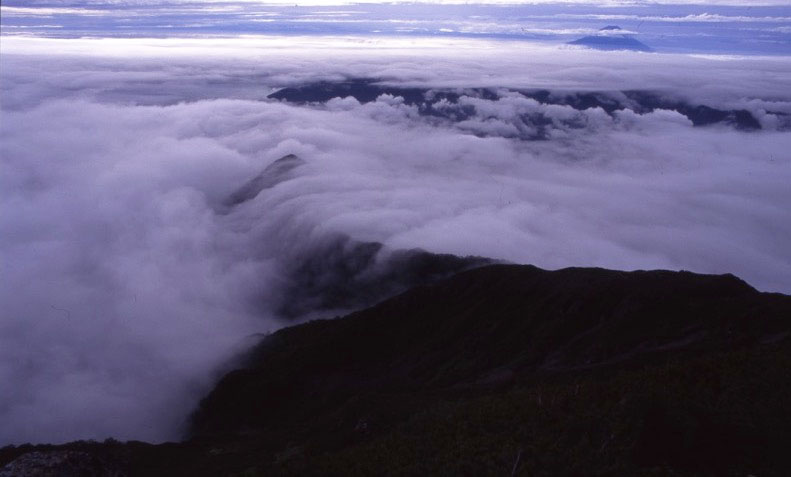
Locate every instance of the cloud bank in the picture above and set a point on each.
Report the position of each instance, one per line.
(127, 284)
(700, 27)
(601, 3)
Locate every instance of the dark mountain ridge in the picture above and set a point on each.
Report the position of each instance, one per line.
(502, 368)
(444, 103)
(491, 322)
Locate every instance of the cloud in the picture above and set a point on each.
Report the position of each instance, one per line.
(164, 70)
(127, 285)
(48, 12)
(703, 27)
(599, 3)
(697, 18)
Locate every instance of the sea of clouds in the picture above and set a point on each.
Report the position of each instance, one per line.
(127, 285)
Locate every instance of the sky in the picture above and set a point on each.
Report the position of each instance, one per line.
(129, 286)
(598, 3)
(722, 27)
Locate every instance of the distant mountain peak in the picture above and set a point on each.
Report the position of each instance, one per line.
(606, 41)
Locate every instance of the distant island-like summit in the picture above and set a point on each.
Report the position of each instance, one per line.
(606, 39)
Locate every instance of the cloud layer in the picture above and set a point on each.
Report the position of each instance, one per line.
(698, 26)
(127, 285)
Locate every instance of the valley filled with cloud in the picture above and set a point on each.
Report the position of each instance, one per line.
(130, 283)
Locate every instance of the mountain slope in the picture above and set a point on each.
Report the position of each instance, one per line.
(502, 320)
(499, 369)
(434, 358)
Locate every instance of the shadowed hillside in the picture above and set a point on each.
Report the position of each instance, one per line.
(506, 368)
(481, 326)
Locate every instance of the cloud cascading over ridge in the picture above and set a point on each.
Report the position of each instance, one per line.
(126, 284)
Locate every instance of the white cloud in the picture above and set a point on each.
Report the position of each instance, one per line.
(696, 18)
(601, 3)
(124, 287)
(47, 12)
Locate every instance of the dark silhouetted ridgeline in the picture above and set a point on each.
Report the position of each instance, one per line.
(503, 369)
(445, 104)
